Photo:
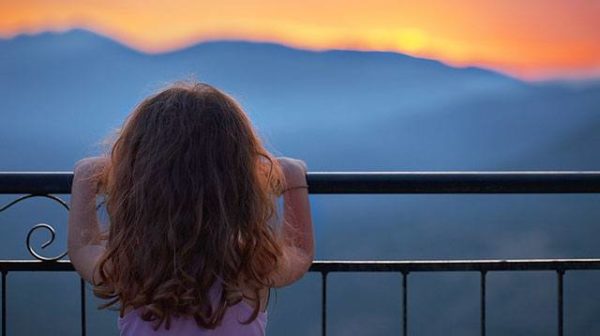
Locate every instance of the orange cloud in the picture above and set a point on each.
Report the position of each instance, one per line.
(530, 39)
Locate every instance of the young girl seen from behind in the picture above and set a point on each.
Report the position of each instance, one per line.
(194, 241)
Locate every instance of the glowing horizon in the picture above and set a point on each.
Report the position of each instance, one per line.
(529, 40)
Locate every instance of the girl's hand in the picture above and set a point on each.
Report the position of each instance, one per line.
(90, 165)
(87, 171)
(294, 171)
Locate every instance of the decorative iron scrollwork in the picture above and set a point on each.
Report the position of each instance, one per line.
(41, 226)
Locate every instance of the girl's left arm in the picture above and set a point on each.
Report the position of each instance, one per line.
(84, 244)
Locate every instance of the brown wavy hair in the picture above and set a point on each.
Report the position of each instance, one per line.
(190, 197)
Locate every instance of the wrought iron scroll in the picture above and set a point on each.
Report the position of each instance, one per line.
(40, 226)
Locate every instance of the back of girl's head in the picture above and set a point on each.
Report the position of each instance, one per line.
(190, 190)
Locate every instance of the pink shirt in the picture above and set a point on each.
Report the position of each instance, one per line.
(132, 324)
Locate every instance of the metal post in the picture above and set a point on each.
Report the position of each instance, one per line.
(4, 273)
(560, 274)
(83, 326)
(324, 304)
(483, 283)
(405, 303)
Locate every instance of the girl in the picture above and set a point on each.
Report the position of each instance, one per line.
(195, 240)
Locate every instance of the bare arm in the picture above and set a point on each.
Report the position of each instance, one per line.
(84, 231)
(298, 252)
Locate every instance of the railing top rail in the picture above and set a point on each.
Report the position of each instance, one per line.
(374, 265)
(456, 265)
(476, 182)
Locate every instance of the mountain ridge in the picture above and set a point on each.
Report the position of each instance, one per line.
(90, 35)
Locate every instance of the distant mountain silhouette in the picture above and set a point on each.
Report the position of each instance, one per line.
(432, 115)
(62, 93)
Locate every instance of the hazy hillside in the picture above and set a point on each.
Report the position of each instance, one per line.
(61, 94)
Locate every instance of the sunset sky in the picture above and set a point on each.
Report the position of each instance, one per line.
(532, 39)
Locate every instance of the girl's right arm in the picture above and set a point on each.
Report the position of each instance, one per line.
(84, 245)
(298, 252)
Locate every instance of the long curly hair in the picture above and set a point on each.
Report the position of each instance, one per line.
(190, 196)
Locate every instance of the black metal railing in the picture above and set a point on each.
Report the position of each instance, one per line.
(45, 184)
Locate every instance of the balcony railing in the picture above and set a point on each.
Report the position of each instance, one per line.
(47, 184)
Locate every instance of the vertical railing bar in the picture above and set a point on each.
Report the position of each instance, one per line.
(483, 294)
(83, 320)
(324, 303)
(561, 274)
(404, 303)
(4, 273)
